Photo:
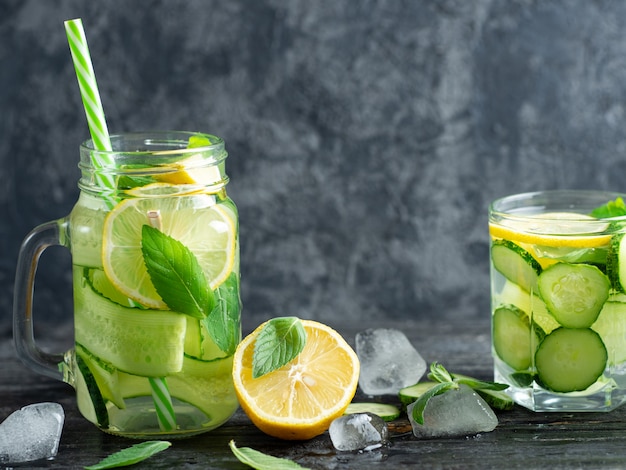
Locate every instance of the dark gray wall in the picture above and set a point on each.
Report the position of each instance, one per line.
(366, 138)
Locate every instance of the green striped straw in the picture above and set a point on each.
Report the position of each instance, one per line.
(91, 99)
(100, 160)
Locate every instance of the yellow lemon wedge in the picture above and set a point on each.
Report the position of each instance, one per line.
(192, 170)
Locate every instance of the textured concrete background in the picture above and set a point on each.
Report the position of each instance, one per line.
(366, 138)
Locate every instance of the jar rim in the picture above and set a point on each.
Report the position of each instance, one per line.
(176, 140)
(527, 205)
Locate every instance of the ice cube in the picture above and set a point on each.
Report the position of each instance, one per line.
(31, 433)
(359, 431)
(389, 361)
(456, 412)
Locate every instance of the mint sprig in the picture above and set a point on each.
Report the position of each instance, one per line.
(176, 274)
(447, 381)
(131, 455)
(261, 461)
(279, 342)
(616, 208)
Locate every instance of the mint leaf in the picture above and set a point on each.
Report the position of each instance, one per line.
(261, 461)
(615, 208)
(478, 384)
(438, 373)
(196, 141)
(223, 322)
(176, 274)
(420, 404)
(131, 455)
(280, 341)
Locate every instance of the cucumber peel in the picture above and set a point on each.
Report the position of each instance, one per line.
(90, 401)
(385, 411)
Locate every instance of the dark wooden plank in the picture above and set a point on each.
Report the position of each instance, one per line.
(523, 439)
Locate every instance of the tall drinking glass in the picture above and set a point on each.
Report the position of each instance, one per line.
(558, 283)
(155, 255)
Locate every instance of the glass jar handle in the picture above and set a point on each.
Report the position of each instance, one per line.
(40, 238)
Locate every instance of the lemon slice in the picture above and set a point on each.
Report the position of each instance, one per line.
(163, 190)
(300, 399)
(200, 224)
(565, 229)
(192, 170)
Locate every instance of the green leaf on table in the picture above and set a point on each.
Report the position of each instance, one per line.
(223, 321)
(131, 455)
(280, 341)
(261, 461)
(176, 274)
(616, 208)
(420, 404)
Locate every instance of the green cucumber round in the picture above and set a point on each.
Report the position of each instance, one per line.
(574, 293)
(570, 359)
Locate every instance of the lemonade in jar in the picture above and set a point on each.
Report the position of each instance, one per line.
(558, 293)
(155, 255)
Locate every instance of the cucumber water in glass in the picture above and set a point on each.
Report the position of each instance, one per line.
(155, 255)
(558, 294)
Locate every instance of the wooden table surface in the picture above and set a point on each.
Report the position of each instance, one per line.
(523, 439)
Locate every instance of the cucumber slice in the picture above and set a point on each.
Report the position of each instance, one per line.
(142, 342)
(207, 385)
(104, 374)
(198, 342)
(512, 294)
(614, 268)
(411, 393)
(497, 399)
(566, 254)
(574, 293)
(385, 411)
(516, 264)
(514, 338)
(611, 326)
(570, 359)
(89, 399)
(101, 284)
